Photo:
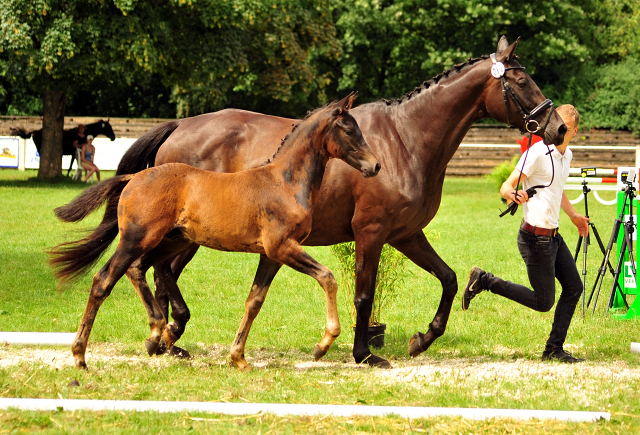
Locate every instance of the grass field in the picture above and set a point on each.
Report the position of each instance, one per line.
(488, 357)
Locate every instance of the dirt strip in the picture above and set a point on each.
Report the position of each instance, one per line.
(402, 371)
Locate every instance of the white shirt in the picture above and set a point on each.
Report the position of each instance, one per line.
(543, 209)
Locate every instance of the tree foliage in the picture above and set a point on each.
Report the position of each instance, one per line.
(200, 51)
(167, 58)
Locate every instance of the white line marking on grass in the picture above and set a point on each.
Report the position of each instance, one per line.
(294, 409)
(38, 338)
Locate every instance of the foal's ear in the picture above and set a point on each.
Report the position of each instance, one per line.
(345, 104)
(506, 52)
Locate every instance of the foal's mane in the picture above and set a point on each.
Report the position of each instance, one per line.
(285, 140)
(435, 80)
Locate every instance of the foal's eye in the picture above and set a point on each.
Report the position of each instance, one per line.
(348, 132)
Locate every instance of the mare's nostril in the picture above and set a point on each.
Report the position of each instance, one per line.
(377, 169)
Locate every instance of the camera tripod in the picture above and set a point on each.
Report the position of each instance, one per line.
(627, 246)
(587, 241)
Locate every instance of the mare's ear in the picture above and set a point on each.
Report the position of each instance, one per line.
(502, 44)
(508, 52)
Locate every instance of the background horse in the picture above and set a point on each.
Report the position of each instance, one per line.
(266, 210)
(94, 129)
(413, 137)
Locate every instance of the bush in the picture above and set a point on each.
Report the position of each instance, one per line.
(501, 173)
(390, 273)
(613, 102)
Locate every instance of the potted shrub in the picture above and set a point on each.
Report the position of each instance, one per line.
(390, 274)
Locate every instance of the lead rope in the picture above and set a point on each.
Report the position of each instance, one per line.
(498, 70)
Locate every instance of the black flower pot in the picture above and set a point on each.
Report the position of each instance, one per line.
(375, 334)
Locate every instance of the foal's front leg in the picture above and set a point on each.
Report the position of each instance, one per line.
(291, 253)
(267, 270)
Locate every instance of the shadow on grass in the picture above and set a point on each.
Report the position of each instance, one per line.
(34, 182)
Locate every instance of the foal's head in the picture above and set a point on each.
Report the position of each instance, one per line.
(344, 139)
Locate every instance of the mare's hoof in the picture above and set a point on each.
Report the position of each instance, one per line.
(376, 361)
(178, 352)
(415, 344)
(162, 348)
(81, 365)
(152, 347)
(318, 353)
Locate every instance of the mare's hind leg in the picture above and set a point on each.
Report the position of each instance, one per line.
(179, 310)
(167, 293)
(103, 283)
(157, 322)
(267, 270)
(418, 250)
(291, 253)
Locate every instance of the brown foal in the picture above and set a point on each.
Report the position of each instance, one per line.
(265, 210)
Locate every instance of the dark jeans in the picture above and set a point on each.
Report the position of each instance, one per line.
(547, 258)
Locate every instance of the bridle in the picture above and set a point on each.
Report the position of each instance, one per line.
(531, 125)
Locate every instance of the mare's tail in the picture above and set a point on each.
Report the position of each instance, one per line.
(71, 260)
(142, 154)
(20, 131)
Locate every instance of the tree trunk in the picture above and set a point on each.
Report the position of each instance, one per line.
(52, 130)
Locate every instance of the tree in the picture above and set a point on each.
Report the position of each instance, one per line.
(392, 46)
(201, 49)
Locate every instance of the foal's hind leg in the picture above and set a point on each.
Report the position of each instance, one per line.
(267, 270)
(291, 253)
(157, 322)
(103, 283)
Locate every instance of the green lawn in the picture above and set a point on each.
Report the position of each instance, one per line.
(493, 333)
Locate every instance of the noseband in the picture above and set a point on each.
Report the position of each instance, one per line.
(531, 126)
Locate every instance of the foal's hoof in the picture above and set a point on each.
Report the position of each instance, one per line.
(415, 344)
(178, 352)
(152, 346)
(318, 353)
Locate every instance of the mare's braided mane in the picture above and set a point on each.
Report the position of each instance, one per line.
(435, 80)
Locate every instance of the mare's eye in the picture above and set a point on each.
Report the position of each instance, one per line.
(348, 132)
(522, 82)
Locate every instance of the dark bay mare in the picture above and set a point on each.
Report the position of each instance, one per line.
(94, 129)
(414, 138)
(266, 210)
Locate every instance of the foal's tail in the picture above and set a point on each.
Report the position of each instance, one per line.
(142, 154)
(20, 131)
(71, 260)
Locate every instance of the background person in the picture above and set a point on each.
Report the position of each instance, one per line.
(543, 250)
(88, 154)
(80, 138)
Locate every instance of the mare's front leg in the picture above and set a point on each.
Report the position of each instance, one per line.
(368, 249)
(291, 253)
(267, 270)
(418, 250)
(103, 283)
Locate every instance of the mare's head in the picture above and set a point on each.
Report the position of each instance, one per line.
(102, 127)
(524, 98)
(344, 139)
